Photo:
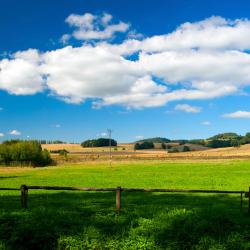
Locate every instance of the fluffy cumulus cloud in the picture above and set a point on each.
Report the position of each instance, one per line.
(188, 108)
(238, 114)
(20, 74)
(88, 27)
(1, 134)
(200, 60)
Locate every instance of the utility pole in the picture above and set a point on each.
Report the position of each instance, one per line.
(109, 135)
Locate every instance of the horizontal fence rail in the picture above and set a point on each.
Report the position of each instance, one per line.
(24, 192)
(9, 188)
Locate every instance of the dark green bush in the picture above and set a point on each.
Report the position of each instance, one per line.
(144, 145)
(101, 142)
(173, 150)
(186, 148)
(59, 151)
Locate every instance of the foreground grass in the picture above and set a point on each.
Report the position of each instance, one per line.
(81, 220)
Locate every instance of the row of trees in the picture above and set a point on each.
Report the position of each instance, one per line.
(50, 142)
(23, 152)
(101, 142)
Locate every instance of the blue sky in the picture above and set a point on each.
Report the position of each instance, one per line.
(175, 69)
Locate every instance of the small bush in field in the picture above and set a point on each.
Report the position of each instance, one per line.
(186, 149)
(173, 150)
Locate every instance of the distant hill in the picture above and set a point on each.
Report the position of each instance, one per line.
(156, 140)
(228, 139)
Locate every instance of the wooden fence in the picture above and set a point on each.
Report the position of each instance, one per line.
(24, 192)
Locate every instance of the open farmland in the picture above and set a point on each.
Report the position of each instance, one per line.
(84, 220)
(126, 152)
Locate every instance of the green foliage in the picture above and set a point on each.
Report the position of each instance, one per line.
(224, 140)
(201, 142)
(173, 150)
(186, 148)
(23, 152)
(144, 145)
(62, 152)
(245, 139)
(225, 136)
(156, 140)
(101, 142)
(163, 146)
(235, 143)
(216, 143)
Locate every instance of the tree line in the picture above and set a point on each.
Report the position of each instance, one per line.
(15, 152)
(217, 141)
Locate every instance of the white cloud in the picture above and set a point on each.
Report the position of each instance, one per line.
(139, 137)
(238, 114)
(15, 132)
(201, 60)
(20, 75)
(1, 134)
(206, 123)
(93, 27)
(187, 108)
(65, 39)
(214, 33)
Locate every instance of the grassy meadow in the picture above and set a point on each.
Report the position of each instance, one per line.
(87, 220)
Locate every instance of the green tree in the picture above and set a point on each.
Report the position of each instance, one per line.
(144, 145)
(101, 142)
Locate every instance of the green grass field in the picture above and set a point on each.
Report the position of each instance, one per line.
(87, 220)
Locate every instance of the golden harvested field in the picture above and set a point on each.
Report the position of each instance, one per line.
(126, 152)
(77, 148)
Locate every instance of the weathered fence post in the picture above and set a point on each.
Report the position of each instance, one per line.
(241, 200)
(249, 200)
(24, 196)
(118, 199)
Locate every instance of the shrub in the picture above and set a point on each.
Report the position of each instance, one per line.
(186, 148)
(173, 150)
(101, 142)
(62, 152)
